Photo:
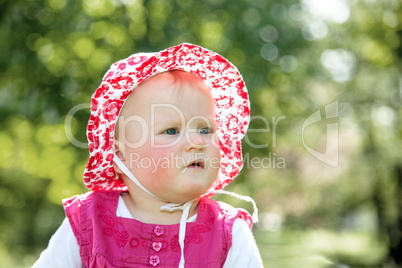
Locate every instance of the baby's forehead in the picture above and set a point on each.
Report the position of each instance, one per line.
(172, 87)
(177, 77)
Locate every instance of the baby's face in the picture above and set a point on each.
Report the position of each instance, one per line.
(167, 135)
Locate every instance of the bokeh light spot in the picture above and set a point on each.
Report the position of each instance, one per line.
(83, 47)
(269, 52)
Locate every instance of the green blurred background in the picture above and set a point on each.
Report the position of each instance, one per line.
(342, 58)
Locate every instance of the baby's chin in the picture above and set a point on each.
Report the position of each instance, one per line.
(184, 199)
(187, 198)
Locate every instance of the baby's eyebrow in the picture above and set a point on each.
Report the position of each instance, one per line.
(167, 122)
(207, 119)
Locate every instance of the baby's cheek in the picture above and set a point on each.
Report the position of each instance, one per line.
(215, 143)
(157, 161)
(165, 141)
(165, 155)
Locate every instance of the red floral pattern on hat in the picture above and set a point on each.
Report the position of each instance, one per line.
(227, 88)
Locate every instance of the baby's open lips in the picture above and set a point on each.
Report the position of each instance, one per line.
(196, 164)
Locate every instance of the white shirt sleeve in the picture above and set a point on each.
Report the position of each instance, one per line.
(244, 251)
(62, 251)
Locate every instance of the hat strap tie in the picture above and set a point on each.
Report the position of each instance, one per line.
(183, 223)
(129, 174)
(242, 197)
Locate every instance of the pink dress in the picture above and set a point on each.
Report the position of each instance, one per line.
(106, 240)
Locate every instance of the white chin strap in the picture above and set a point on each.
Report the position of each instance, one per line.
(242, 197)
(123, 168)
(185, 207)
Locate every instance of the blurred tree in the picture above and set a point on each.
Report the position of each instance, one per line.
(297, 57)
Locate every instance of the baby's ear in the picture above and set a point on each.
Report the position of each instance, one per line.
(119, 149)
(120, 154)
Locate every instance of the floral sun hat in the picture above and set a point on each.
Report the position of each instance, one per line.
(227, 88)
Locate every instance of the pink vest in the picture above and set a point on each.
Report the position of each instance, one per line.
(106, 240)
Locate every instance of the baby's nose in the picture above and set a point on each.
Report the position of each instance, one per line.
(195, 140)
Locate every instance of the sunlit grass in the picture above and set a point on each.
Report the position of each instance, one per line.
(318, 248)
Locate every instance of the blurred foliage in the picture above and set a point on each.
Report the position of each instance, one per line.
(296, 58)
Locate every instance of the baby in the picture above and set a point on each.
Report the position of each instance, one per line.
(164, 135)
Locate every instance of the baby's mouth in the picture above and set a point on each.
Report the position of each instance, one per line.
(196, 164)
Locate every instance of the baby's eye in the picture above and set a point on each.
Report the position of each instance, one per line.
(204, 130)
(171, 131)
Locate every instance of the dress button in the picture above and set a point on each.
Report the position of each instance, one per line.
(154, 260)
(158, 230)
(157, 246)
